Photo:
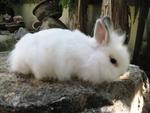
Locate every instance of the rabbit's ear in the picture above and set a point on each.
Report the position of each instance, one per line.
(122, 38)
(121, 34)
(107, 22)
(102, 30)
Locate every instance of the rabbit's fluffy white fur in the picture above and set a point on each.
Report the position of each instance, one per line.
(58, 53)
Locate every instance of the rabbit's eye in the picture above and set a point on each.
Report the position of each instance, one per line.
(113, 61)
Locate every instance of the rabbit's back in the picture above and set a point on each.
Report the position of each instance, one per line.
(50, 53)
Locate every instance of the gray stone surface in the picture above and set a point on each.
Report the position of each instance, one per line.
(27, 95)
(3, 61)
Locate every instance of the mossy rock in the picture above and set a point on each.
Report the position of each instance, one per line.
(27, 95)
(7, 42)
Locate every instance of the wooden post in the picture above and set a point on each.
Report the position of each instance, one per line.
(117, 10)
(144, 8)
(106, 8)
(78, 15)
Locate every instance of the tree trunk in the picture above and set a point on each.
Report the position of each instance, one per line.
(117, 10)
(78, 15)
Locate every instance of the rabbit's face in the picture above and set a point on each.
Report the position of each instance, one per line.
(115, 55)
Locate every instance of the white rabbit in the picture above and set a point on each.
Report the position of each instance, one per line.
(59, 53)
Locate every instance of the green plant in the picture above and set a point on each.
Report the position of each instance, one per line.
(67, 3)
